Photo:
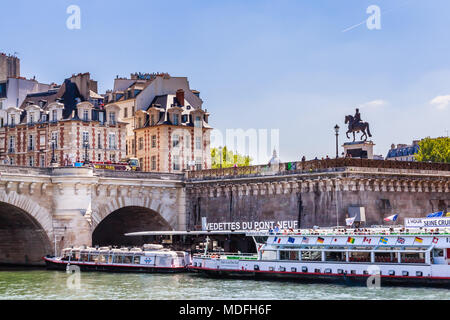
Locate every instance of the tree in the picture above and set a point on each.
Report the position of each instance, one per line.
(434, 150)
(229, 159)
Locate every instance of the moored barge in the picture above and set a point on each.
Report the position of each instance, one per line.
(148, 259)
(390, 255)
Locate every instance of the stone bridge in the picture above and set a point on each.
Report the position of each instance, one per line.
(43, 210)
(46, 209)
(318, 192)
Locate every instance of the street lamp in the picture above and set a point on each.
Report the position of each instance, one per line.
(221, 157)
(336, 129)
(53, 142)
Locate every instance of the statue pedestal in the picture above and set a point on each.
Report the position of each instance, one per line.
(359, 149)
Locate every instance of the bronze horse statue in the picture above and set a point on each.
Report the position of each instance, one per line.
(357, 127)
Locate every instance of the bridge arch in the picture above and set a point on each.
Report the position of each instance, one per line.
(25, 230)
(111, 230)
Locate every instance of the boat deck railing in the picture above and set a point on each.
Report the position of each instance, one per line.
(353, 232)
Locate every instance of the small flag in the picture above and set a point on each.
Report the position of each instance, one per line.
(279, 240)
(320, 240)
(305, 240)
(435, 240)
(384, 240)
(391, 218)
(349, 221)
(436, 214)
(291, 240)
(401, 240)
(368, 240)
(351, 240)
(275, 239)
(419, 240)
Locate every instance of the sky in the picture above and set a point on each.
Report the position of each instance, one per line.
(294, 66)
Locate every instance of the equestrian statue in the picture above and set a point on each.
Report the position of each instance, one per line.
(355, 124)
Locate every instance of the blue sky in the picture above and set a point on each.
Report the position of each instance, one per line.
(283, 65)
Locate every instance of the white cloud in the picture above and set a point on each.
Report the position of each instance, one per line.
(441, 102)
(373, 104)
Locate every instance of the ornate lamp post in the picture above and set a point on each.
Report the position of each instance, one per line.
(53, 142)
(336, 129)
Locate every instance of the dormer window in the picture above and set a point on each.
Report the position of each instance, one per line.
(31, 118)
(112, 118)
(13, 120)
(175, 119)
(85, 115)
(54, 115)
(198, 122)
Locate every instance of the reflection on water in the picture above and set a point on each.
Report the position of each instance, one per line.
(43, 284)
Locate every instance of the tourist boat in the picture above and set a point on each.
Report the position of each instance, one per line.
(150, 258)
(396, 254)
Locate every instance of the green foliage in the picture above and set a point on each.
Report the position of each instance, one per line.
(434, 150)
(229, 159)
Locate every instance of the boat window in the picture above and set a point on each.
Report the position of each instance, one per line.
(84, 257)
(413, 257)
(438, 253)
(311, 256)
(289, 255)
(102, 258)
(137, 259)
(118, 259)
(127, 259)
(334, 256)
(359, 256)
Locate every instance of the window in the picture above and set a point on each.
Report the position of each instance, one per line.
(54, 115)
(175, 119)
(198, 163)
(31, 118)
(153, 141)
(139, 122)
(55, 139)
(187, 138)
(141, 143)
(85, 115)
(152, 119)
(11, 144)
(30, 143)
(198, 122)
(31, 161)
(99, 157)
(175, 140)
(12, 120)
(112, 118)
(153, 162)
(125, 113)
(198, 143)
(176, 163)
(85, 139)
(112, 141)
(42, 160)
(99, 137)
(112, 157)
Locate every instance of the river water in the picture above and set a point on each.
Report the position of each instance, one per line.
(41, 284)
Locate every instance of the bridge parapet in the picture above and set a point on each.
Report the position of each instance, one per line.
(317, 166)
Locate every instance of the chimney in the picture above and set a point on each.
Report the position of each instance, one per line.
(180, 96)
